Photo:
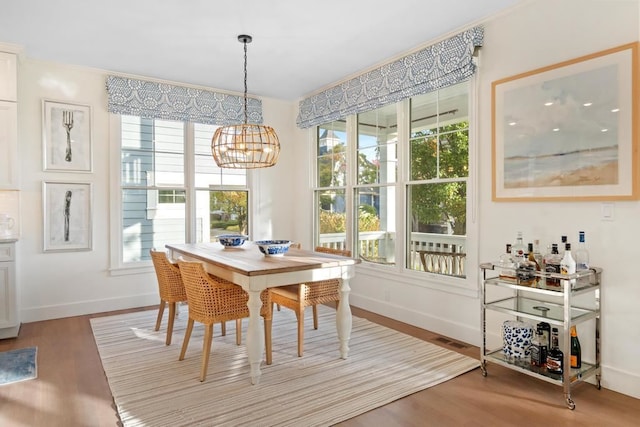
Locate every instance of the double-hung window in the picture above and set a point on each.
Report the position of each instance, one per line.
(419, 146)
(171, 190)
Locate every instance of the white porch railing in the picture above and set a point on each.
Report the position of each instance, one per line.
(431, 252)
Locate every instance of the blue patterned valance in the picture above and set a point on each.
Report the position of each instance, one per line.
(155, 100)
(443, 64)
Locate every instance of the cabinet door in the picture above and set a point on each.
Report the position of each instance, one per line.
(8, 145)
(8, 301)
(8, 81)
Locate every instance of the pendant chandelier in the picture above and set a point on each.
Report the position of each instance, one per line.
(245, 146)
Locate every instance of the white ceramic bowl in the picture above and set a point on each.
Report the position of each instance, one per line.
(232, 240)
(273, 247)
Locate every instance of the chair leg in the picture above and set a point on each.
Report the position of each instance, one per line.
(300, 316)
(206, 350)
(160, 313)
(187, 336)
(223, 326)
(267, 339)
(315, 316)
(238, 331)
(172, 317)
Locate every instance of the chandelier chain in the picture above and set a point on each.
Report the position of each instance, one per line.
(245, 82)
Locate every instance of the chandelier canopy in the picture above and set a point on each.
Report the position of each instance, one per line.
(245, 146)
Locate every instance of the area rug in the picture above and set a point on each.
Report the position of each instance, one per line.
(18, 365)
(152, 388)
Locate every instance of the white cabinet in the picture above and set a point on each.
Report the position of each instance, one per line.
(8, 122)
(8, 145)
(8, 80)
(9, 321)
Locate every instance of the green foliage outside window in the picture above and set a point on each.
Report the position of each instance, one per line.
(440, 159)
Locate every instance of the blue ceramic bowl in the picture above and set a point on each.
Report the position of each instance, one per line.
(273, 247)
(232, 240)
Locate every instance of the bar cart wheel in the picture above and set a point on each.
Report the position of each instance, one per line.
(570, 403)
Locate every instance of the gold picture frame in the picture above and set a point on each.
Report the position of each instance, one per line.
(568, 131)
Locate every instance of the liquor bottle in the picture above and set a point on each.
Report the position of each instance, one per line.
(517, 250)
(555, 356)
(546, 333)
(507, 266)
(538, 349)
(552, 265)
(532, 257)
(582, 253)
(568, 264)
(536, 253)
(576, 352)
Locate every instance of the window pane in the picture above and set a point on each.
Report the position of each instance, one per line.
(228, 211)
(145, 226)
(377, 143)
(437, 220)
(332, 218)
(454, 150)
(152, 152)
(424, 157)
(331, 155)
(376, 224)
(207, 172)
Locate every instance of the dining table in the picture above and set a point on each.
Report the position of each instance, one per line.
(247, 267)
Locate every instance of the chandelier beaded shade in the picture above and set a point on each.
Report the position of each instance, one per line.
(245, 146)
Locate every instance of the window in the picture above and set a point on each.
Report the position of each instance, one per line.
(330, 194)
(437, 186)
(426, 157)
(375, 192)
(171, 189)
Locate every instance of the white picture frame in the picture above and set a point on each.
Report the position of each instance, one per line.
(67, 216)
(66, 137)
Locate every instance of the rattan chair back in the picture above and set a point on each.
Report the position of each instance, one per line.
(170, 283)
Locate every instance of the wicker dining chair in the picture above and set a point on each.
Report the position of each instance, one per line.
(212, 299)
(170, 287)
(297, 297)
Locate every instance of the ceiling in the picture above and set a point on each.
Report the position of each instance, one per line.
(298, 46)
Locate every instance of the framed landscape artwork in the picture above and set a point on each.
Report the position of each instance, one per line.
(67, 216)
(66, 137)
(568, 131)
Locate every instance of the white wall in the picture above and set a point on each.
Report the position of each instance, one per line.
(542, 32)
(539, 33)
(56, 285)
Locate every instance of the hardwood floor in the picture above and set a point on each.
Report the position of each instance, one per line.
(71, 389)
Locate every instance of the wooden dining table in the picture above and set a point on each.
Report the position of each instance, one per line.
(254, 272)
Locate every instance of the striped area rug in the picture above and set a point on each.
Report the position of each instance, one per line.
(152, 388)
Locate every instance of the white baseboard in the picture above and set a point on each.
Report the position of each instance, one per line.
(620, 381)
(454, 330)
(35, 314)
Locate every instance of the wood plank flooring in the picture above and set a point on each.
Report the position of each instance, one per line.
(71, 389)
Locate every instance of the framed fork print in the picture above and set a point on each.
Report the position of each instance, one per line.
(66, 137)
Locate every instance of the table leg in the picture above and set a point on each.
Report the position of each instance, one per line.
(255, 336)
(343, 319)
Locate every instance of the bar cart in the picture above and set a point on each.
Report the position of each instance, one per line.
(547, 298)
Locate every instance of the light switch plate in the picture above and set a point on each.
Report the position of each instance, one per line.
(608, 212)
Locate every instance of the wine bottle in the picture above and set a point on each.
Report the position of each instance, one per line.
(555, 356)
(582, 253)
(576, 352)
